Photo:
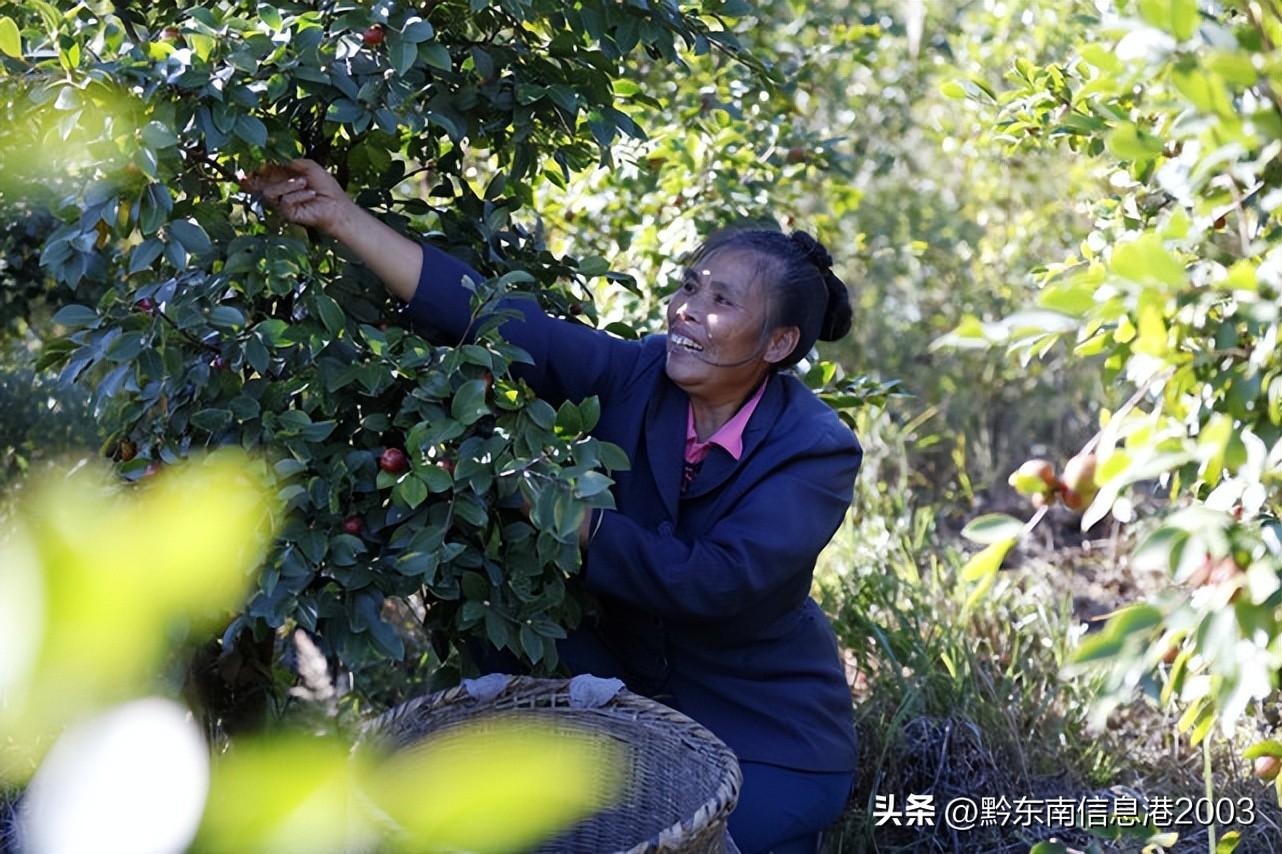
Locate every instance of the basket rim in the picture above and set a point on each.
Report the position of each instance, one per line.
(717, 806)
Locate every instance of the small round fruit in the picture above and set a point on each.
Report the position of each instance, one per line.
(146, 305)
(1072, 500)
(218, 363)
(1267, 767)
(795, 155)
(1220, 222)
(374, 36)
(353, 525)
(448, 465)
(1079, 476)
(1172, 653)
(576, 308)
(393, 461)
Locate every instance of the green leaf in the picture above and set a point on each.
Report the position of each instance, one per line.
(10, 38)
(211, 420)
(417, 31)
(330, 313)
(191, 236)
(568, 420)
(986, 562)
(1263, 748)
(436, 56)
(992, 527)
(1145, 260)
(252, 130)
(591, 483)
(227, 317)
(412, 491)
(75, 315)
(159, 135)
(125, 348)
(144, 254)
(1128, 142)
(468, 404)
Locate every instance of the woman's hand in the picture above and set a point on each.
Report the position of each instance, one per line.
(308, 195)
(305, 194)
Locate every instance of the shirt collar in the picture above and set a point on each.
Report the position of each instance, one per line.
(730, 434)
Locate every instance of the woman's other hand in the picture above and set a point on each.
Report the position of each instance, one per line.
(305, 194)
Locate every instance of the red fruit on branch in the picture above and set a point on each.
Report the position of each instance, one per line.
(353, 525)
(146, 305)
(393, 461)
(448, 465)
(1267, 767)
(374, 36)
(1079, 476)
(1072, 500)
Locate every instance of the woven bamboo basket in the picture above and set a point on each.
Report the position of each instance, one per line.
(683, 781)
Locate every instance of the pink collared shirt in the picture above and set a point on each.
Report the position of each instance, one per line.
(729, 436)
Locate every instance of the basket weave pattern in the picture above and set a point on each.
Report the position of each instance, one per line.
(683, 781)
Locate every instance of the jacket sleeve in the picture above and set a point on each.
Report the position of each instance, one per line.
(773, 533)
(571, 361)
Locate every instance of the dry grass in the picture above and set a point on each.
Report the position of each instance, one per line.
(972, 704)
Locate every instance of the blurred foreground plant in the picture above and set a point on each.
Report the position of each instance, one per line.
(100, 584)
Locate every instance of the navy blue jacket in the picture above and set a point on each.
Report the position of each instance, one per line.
(705, 595)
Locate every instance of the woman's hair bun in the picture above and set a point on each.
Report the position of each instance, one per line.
(813, 250)
(837, 313)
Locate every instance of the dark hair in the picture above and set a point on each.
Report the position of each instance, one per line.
(801, 289)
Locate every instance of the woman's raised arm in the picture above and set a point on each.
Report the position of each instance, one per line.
(571, 361)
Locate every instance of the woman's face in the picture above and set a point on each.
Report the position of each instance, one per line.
(715, 321)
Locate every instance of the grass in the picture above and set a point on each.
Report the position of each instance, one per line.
(957, 702)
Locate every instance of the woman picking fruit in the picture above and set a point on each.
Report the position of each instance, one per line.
(739, 477)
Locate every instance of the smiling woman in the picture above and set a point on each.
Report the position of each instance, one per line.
(739, 477)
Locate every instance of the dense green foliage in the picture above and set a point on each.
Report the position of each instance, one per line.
(197, 321)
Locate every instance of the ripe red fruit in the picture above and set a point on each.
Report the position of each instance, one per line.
(576, 308)
(1073, 500)
(393, 461)
(448, 465)
(353, 525)
(795, 155)
(146, 305)
(171, 34)
(374, 36)
(1079, 476)
(1172, 653)
(1220, 222)
(1267, 767)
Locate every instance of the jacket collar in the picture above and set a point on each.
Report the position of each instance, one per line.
(665, 432)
